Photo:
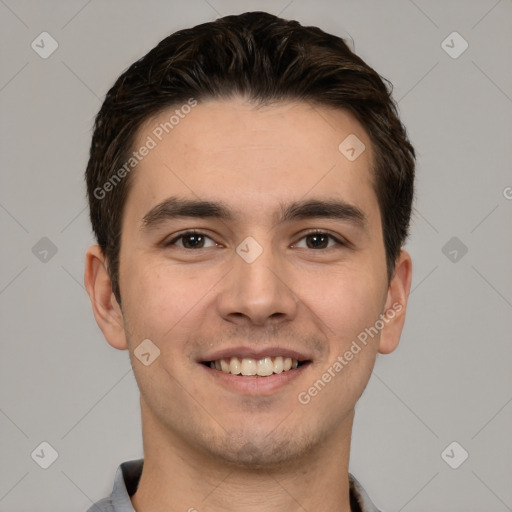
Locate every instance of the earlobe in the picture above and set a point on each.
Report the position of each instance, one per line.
(396, 304)
(106, 310)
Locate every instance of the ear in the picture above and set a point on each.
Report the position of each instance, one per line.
(396, 304)
(105, 307)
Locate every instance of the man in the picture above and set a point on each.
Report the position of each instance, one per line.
(250, 188)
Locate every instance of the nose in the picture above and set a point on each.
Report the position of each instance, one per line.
(257, 293)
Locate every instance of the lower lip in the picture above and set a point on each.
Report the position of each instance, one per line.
(252, 385)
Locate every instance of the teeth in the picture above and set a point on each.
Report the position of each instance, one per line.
(249, 367)
(278, 365)
(234, 366)
(265, 367)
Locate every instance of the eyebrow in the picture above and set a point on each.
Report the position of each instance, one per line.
(175, 207)
(331, 209)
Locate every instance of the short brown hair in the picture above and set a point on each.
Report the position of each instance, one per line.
(262, 58)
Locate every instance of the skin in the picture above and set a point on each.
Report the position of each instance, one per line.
(207, 446)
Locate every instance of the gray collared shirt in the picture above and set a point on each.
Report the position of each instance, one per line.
(128, 475)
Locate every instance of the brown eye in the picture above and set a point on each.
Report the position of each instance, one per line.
(192, 240)
(318, 240)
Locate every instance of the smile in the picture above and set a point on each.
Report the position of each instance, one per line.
(246, 366)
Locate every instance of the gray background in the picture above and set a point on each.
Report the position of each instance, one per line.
(449, 380)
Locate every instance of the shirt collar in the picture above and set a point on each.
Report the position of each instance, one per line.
(128, 476)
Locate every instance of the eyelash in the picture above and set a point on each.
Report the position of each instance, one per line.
(184, 235)
(338, 241)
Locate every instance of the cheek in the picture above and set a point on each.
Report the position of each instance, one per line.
(346, 301)
(152, 300)
(163, 301)
(350, 308)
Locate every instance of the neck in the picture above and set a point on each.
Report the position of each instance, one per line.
(178, 477)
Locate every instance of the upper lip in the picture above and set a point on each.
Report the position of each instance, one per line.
(252, 353)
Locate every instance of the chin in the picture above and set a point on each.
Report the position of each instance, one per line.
(262, 450)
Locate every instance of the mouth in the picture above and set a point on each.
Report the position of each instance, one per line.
(252, 367)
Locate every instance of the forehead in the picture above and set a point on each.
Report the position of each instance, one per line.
(252, 157)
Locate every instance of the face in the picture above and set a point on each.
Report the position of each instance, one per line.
(250, 243)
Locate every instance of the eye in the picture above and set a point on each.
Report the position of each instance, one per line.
(192, 240)
(319, 240)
